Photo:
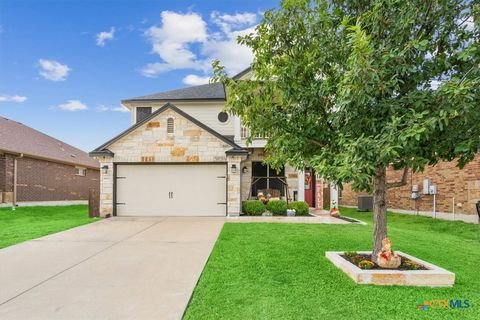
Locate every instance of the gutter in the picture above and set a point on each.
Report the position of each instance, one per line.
(15, 173)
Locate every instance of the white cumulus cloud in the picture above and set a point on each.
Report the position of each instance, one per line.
(171, 41)
(195, 80)
(12, 98)
(53, 70)
(104, 36)
(187, 42)
(73, 105)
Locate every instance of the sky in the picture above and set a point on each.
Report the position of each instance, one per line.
(66, 65)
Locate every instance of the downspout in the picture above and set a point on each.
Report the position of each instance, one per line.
(15, 173)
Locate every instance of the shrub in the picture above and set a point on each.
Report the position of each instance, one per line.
(278, 207)
(300, 207)
(410, 265)
(366, 264)
(253, 207)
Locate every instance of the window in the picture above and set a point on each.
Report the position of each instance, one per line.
(80, 171)
(265, 177)
(223, 117)
(143, 113)
(170, 125)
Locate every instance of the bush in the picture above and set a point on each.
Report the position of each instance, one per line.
(300, 207)
(366, 264)
(253, 207)
(277, 207)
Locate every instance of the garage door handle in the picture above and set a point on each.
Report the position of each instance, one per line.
(170, 195)
(221, 203)
(221, 177)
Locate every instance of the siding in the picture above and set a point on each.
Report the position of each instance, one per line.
(205, 112)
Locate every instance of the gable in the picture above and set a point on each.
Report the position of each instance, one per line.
(149, 141)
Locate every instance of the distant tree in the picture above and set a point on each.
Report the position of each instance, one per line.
(354, 87)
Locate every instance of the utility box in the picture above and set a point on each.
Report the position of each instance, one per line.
(432, 189)
(426, 186)
(365, 203)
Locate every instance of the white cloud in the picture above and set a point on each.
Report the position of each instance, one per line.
(53, 70)
(104, 36)
(237, 21)
(73, 105)
(120, 108)
(194, 80)
(171, 42)
(183, 41)
(14, 98)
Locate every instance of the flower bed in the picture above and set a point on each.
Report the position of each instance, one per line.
(427, 274)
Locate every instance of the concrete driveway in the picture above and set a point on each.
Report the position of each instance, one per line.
(118, 268)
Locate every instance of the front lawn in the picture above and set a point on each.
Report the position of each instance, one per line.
(279, 271)
(27, 223)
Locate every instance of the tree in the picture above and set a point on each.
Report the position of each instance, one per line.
(354, 87)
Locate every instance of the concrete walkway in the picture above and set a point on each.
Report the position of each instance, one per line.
(119, 268)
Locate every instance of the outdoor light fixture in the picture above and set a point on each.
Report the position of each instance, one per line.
(245, 170)
(105, 169)
(234, 168)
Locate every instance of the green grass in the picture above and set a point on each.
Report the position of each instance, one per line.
(279, 271)
(27, 223)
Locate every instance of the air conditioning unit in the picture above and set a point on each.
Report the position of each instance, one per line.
(365, 203)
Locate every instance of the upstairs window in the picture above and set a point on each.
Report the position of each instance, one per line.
(170, 126)
(143, 113)
(80, 171)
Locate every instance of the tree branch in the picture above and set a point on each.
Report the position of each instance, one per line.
(400, 183)
(317, 143)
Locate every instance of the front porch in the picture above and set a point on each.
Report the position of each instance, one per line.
(287, 183)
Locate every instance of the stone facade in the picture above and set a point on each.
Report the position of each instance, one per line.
(457, 190)
(152, 143)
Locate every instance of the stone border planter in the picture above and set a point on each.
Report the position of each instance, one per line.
(433, 277)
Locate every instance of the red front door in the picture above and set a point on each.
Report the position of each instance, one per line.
(310, 187)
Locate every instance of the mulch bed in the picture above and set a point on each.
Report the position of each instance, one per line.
(403, 266)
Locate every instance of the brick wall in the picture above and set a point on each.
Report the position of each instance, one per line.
(40, 180)
(451, 182)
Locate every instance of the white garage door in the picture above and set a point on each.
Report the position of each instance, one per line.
(171, 190)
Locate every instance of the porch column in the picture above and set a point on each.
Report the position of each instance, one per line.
(301, 186)
(333, 195)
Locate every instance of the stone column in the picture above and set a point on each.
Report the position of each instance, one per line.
(106, 187)
(234, 199)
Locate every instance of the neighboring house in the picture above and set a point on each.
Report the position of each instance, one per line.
(457, 192)
(36, 168)
(184, 156)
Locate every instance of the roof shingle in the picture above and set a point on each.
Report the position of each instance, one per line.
(211, 91)
(18, 138)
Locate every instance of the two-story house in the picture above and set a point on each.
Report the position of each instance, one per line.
(185, 156)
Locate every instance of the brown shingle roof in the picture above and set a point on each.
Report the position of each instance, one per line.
(18, 138)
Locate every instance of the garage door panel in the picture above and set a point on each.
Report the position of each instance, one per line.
(171, 190)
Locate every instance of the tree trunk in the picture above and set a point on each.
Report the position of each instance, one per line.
(379, 210)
